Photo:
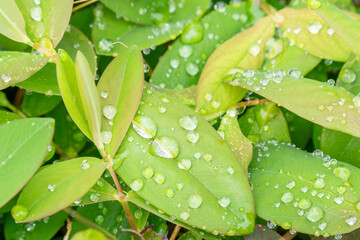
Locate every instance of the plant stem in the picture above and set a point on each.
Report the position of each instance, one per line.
(263, 7)
(251, 103)
(68, 227)
(87, 222)
(288, 235)
(175, 232)
(19, 96)
(80, 6)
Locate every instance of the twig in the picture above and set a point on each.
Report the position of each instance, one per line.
(175, 232)
(87, 222)
(85, 4)
(68, 227)
(288, 235)
(80, 1)
(251, 103)
(263, 7)
(19, 96)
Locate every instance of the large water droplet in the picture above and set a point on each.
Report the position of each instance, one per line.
(194, 201)
(192, 33)
(36, 13)
(159, 178)
(347, 75)
(148, 172)
(136, 184)
(109, 111)
(351, 221)
(19, 212)
(144, 126)
(5, 78)
(224, 201)
(342, 173)
(184, 164)
(319, 183)
(188, 122)
(165, 147)
(191, 68)
(304, 203)
(185, 51)
(287, 197)
(315, 214)
(315, 27)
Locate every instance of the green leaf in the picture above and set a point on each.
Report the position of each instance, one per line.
(212, 94)
(45, 80)
(264, 122)
(36, 104)
(186, 95)
(189, 236)
(142, 11)
(120, 89)
(240, 145)
(43, 229)
(201, 170)
(67, 135)
(349, 76)
(56, 186)
(19, 140)
(263, 233)
(48, 19)
(343, 24)
(329, 106)
(304, 191)
(7, 117)
(292, 57)
(109, 29)
(90, 97)
(309, 32)
(12, 22)
(18, 66)
(89, 234)
(176, 69)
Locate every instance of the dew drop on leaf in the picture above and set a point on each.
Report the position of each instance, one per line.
(148, 172)
(315, 27)
(287, 197)
(184, 164)
(342, 173)
(36, 13)
(19, 212)
(165, 147)
(194, 201)
(304, 203)
(193, 33)
(184, 215)
(136, 184)
(224, 202)
(85, 164)
(159, 178)
(185, 51)
(188, 122)
(109, 111)
(5, 78)
(144, 126)
(351, 221)
(192, 137)
(347, 75)
(315, 214)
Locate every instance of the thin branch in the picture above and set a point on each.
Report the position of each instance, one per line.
(19, 96)
(80, 1)
(263, 7)
(175, 232)
(288, 235)
(87, 222)
(251, 103)
(85, 4)
(68, 227)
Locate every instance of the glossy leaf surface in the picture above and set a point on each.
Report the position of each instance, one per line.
(7, 116)
(55, 187)
(201, 170)
(21, 139)
(304, 191)
(37, 104)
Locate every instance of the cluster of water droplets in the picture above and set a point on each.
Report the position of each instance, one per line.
(36, 13)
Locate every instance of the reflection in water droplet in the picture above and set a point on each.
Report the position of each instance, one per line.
(109, 111)
(315, 214)
(188, 122)
(136, 184)
(224, 202)
(184, 164)
(165, 147)
(347, 75)
(144, 126)
(194, 201)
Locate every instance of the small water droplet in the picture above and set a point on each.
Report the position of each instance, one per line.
(136, 184)
(169, 192)
(5, 78)
(193, 33)
(36, 13)
(314, 4)
(339, 200)
(184, 215)
(191, 68)
(185, 51)
(304, 203)
(319, 183)
(104, 94)
(290, 185)
(314, 214)
(287, 197)
(105, 45)
(159, 178)
(184, 164)
(188, 122)
(224, 202)
(271, 224)
(342, 173)
(315, 27)
(351, 221)
(254, 50)
(174, 63)
(94, 197)
(106, 137)
(192, 137)
(165, 147)
(109, 111)
(51, 187)
(99, 219)
(148, 172)
(356, 100)
(194, 201)
(85, 164)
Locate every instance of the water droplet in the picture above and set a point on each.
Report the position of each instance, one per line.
(207, 157)
(304, 189)
(197, 155)
(277, 204)
(106, 137)
(19, 212)
(161, 109)
(99, 219)
(169, 192)
(347, 75)
(304, 203)
(185, 51)
(342, 173)
(29, 227)
(85, 164)
(174, 63)
(159, 178)
(36, 13)
(165, 147)
(51, 187)
(184, 215)
(136, 184)
(230, 170)
(5, 78)
(319, 183)
(194, 201)
(356, 100)
(330, 31)
(314, 4)
(179, 186)
(339, 200)
(184, 164)
(315, 214)
(224, 202)
(341, 189)
(144, 126)
(148, 172)
(315, 27)
(105, 45)
(287, 197)
(188, 122)
(193, 33)
(109, 111)
(290, 185)
(191, 68)
(286, 225)
(351, 221)
(208, 97)
(192, 137)
(254, 50)
(271, 224)
(94, 197)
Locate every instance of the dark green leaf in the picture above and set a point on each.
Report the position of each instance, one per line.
(7, 117)
(19, 140)
(201, 170)
(56, 186)
(119, 90)
(36, 104)
(263, 233)
(18, 66)
(304, 191)
(189, 236)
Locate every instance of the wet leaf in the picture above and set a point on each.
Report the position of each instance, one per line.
(329, 106)
(89, 234)
(7, 117)
(308, 31)
(189, 236)
(18, 66)
(304, 191)
(48, 19)
(240, 145)
(36, 104)
(263, 233)
(343, 24)
(108, 29)
(264, 122)
(182, 64)
(19, 140)
(119, 90)
(56, 186)
(201, 170)
(12, 22)
(212, 94)
(44, 229)
(186, 95)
